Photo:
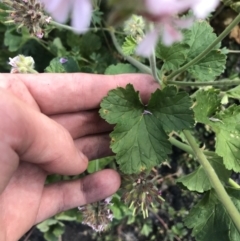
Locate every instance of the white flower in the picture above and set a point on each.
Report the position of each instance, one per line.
(201, 8)
(163, 14)
(21, 64)
(80, 12)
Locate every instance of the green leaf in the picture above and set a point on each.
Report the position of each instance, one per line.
(172, 108)
(199, 182)
(71, 66)
(199, 37)
(139, 139)
(234, 93)
(58, 230)
(228, 137)
(207, 103)
(14, 40)
(45, 225)
(209, 67)
(102, 163)
(174, 56)
(226, 125)
(129, 45)
(120, 69)
(210, 221)
(146, 229)
(89, 43)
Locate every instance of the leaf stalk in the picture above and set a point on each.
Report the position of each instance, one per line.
(223, 82)
(214, 180)
(206, 51)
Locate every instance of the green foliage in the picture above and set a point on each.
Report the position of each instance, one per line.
(227, 137)
(99, 163)
(52, 229)
(129, 45)
(224, 123)
(207, 103)
(234, 92)
(14, 40)
(196, 40)
(210, 221)
(174, 56)
(120, 69)
(71, 66)
(198, 180)
(139, 138)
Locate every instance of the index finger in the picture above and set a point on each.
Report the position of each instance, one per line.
(61, 93)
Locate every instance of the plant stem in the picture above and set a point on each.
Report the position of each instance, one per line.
(189, 150)
(214, 180)
(153, 67)
(143, 68)
(207, 50)
(233, 51)
(67, 27)
(224, 82)
(233, 183)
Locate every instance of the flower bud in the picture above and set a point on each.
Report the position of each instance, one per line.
(140, 191)
(97, 215)
(29, 14)
(22, 64)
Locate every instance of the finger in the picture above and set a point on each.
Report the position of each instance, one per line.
(62, 196)
(20, 200)
(82, 123)
(95, 146)
(12, 84)
(63, 93)
(37, 139)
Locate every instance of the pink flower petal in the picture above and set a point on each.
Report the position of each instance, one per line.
(170, 35)
(81, 15)
(59, 9)
(183, 22)
(167, 7)
(202, 8)
(147, 45)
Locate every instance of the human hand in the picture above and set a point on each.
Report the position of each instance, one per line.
(49, 123)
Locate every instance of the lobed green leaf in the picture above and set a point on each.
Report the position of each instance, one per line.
(139, 138)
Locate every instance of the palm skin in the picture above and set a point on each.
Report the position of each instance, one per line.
(49, 123)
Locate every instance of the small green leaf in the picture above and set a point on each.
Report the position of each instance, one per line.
(207, 103)
(210, 221)
(199, 182)
(139, 138)
(45, 225)
(58, 230)
(199, 37)
(174, 56)
(228, 137)
(209, 67)
(120, 69)
(13, 40)
(234, 93)
(102, 163)
(70, 66)
(129, 45)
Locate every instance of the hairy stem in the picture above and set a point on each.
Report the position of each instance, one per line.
(189, 150)
(143, 68)
(214, 180)
(233, 184)
(153, 67)
(223, 82)
(206, 51)
(67, 27)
